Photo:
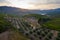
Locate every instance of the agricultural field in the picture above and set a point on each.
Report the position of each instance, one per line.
(8, 31)
(30, 27)
(53, 24)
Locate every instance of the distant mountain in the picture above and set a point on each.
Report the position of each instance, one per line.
(20, 11)
(52, 11)
(13, 10)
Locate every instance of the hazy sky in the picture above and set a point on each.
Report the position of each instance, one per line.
(31, 4)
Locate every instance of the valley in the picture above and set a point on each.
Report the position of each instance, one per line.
(35, 32)
(23, 24)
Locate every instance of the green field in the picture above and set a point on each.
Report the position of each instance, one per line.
(53, 24)
(7, 26)
(45, 21)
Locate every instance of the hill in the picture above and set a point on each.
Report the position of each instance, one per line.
(46, 21)
(52, 12)
(13, 10)
(4, 25)
(8, 31)
(20, 11)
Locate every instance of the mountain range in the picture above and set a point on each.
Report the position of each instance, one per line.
(20, 11)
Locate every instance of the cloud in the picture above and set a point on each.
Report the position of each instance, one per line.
(49, 6)
(2, 1)
(3, 4)
(32, 4)
(38, 2)
(45, 6)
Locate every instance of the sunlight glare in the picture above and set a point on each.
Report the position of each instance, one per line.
(20, 4)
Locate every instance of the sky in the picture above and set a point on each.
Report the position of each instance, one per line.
(32, 4)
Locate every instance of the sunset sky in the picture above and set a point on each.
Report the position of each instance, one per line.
(32, 4)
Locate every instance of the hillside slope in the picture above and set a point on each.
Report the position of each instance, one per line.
(8, 32)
